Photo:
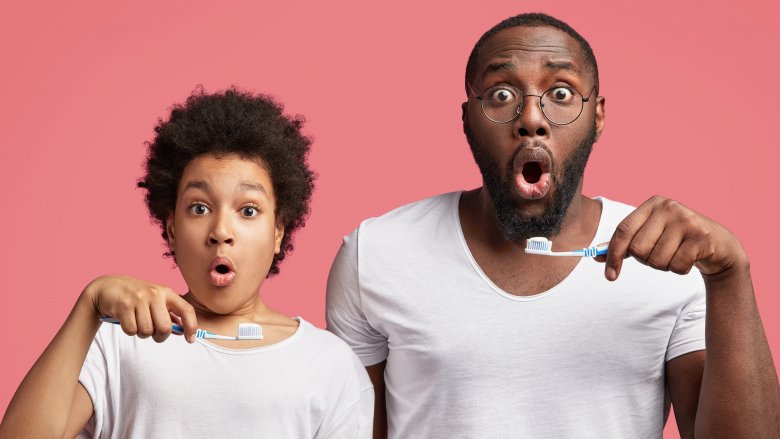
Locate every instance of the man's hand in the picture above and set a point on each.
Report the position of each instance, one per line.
(144, 309)
(739, 395)
(666, 235)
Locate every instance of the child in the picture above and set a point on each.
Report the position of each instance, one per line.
(228, 182)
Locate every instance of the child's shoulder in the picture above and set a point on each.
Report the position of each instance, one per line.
(325, 339)
(325, 345)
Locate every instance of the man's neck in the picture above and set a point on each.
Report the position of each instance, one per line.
(577, 229)
(506, 262)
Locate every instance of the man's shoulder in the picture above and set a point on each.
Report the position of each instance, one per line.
(413, 218)
(614, 210)
(612, 213)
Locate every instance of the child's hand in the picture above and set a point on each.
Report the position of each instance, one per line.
(144, 309)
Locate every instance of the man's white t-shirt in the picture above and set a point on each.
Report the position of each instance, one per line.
(309, 385)
(465, 359)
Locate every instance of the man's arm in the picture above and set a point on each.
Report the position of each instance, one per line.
(683, 380)
(377, 374)
(739, 395)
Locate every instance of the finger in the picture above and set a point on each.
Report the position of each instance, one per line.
(187, 313)
(624, 233)
(646, 238)
(665, 248)
(685, 257)
(601, 258)
(127, 321)
(144, 321)
(162, 321)
(174, 318)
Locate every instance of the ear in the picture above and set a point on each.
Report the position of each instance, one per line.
(278, 235)
(601, 103)
(464, 107)
(169, 230)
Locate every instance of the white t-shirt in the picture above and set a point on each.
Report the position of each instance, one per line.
(309, 385)
(465, 359)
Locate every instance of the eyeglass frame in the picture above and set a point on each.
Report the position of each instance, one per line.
(521, 105)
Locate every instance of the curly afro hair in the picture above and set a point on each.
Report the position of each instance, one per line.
(237, 122)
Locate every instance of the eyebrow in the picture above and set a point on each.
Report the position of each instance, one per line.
(498, 66)
(562, 65)
(250, 186)
(549, 65)
(245, 186)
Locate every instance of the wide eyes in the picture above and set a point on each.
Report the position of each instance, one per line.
(501, 95)
(200, 209)
(561, 94)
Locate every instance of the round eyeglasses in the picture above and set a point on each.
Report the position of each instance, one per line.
(560, 105)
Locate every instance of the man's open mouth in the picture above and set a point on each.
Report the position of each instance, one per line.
(532, 173)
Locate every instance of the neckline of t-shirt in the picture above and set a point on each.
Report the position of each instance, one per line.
(464, 245)
(259, 349)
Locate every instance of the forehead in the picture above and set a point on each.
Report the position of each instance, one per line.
(225, 173)
(525, 48)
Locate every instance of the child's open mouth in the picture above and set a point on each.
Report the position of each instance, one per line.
(221, 272)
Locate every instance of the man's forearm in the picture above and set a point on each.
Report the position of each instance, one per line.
(740, 396)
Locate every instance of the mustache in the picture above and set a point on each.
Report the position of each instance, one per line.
(510, 166)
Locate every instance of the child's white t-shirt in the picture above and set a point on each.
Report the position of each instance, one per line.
(309, 385)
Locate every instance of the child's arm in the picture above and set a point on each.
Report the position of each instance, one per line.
(50, 398)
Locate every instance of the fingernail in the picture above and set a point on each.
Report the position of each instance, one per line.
(611, 274)
(192, 339)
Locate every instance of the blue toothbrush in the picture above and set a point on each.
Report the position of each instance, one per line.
(543, 246)
(246, 331)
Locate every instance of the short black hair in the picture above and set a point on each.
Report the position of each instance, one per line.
(532, 20)
(251, 126)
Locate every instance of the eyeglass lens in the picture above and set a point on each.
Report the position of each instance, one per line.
(560, 105)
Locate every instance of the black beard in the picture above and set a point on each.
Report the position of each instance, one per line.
(514, 224)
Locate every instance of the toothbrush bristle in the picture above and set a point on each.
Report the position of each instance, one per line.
(250, 331)
(538, 244)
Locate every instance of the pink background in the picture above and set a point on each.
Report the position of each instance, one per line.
(692, 114)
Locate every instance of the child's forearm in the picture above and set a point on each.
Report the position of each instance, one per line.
(42, 404)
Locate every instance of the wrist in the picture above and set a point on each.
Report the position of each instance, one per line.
(738, 270)
(88, 300)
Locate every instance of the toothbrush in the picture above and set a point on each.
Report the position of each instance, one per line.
(543, 246)
(246, 331)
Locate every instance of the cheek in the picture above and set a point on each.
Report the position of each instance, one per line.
(261, 239)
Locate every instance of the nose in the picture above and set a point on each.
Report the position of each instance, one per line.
(531, 123)
(221, 230)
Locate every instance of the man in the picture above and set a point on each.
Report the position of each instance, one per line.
(466, 335)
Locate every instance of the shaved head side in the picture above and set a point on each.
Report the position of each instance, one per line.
(532, 20)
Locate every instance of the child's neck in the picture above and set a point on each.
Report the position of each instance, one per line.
(276, 326)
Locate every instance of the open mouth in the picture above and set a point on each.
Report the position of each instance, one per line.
(222, 272)
(532, 173)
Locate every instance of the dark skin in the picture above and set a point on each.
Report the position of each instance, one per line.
(731, 389)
